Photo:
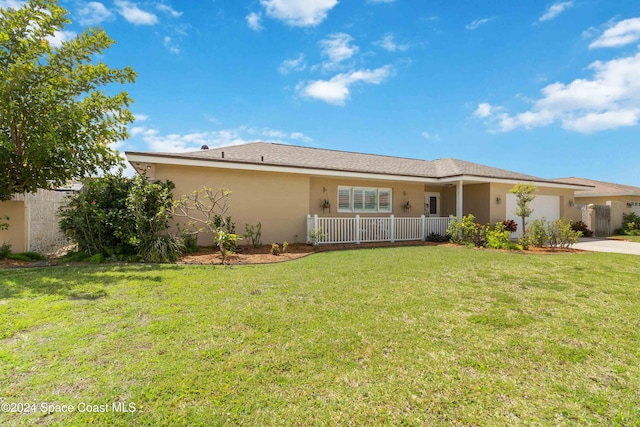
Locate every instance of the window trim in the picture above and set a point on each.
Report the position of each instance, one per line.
(378, 191)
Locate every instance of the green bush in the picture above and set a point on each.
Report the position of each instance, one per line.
(434, 237)
(630, 224)
(5, 250)
(538, 233)
(468, 232)
(499, 237)
(254, 234)
(275, 249)
(190, 241)
(120, 217)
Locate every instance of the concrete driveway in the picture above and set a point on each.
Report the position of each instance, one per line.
(606, 245)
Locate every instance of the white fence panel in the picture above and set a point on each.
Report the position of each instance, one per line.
(408, 229)
(327, 230)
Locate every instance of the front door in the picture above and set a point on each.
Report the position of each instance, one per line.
(432, 204)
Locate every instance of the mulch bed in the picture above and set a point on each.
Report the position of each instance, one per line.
(262, 255)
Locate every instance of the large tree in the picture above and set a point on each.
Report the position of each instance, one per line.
(58, 112)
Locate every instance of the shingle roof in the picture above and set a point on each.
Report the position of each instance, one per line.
(267, 153)
(601, 188)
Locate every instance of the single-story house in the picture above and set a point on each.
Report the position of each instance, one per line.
(33, 220)
(622, 199)
(291, 189)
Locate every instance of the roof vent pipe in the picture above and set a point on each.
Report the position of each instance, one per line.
(262, 158)
(223, 154)
(204, 147)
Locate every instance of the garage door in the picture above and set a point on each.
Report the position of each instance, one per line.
(543, 206)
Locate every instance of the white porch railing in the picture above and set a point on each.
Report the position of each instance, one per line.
(374, 229)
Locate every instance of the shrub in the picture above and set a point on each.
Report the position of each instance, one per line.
(151, 206)
(630, 224)
(119, 217)
(560, 234)
(316, 236)
(98, 219)
(190, 241)
(5, 250)
(538, 233)
(275, 249)
(510, 225)
(254, 234)
(499, 237)
(97, 258)
(582, 227)
(434, 237)
(285, 245)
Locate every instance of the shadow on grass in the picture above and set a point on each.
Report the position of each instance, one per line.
(76, 282)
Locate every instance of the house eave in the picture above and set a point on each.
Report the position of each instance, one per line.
(134, 158)
(610, 194)
(177, 160)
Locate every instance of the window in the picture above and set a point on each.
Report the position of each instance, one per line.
(364, 199)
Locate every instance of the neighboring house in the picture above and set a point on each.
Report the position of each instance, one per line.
(33, 223)
(621, 198)
(280, 185)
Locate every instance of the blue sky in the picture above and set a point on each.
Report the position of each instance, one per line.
(551, 89)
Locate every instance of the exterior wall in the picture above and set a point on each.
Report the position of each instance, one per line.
(279, 201)
(618, 206)
(499, 212)
(476, 200)
(402, 192)
(16, 235)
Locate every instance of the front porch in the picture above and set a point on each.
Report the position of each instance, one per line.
(328, 230)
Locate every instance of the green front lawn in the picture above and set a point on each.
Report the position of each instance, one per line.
(413, 336)
(635, 239)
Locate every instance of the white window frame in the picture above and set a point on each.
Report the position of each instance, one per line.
(376, 209)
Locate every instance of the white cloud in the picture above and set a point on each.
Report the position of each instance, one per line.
(141, 117)
(175, 143)
(621, 34)
(430, 136)
(253, 20)
(299, 136)
(337, 49)
(483, 110)
(169, 10)
(594, 122)
(608, 100)
(171, 45)
(294, 64)
(134, 15)
(297, 13)
(93, 13)
(389, 44)
(555, 9)
(476, 23)
(336, 90)
(60, 37)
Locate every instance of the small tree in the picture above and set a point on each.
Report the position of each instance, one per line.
(525, 193)
(206, 211)
(57, 121)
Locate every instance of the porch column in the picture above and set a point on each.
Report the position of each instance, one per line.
(459, 200)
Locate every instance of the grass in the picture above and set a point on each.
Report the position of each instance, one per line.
(396, 336)
(628, 238)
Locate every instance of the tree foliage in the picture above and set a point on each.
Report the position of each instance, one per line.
(57, 118)
(525, 193)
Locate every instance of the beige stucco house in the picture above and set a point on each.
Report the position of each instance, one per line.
(282, 186)
(622, 199)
